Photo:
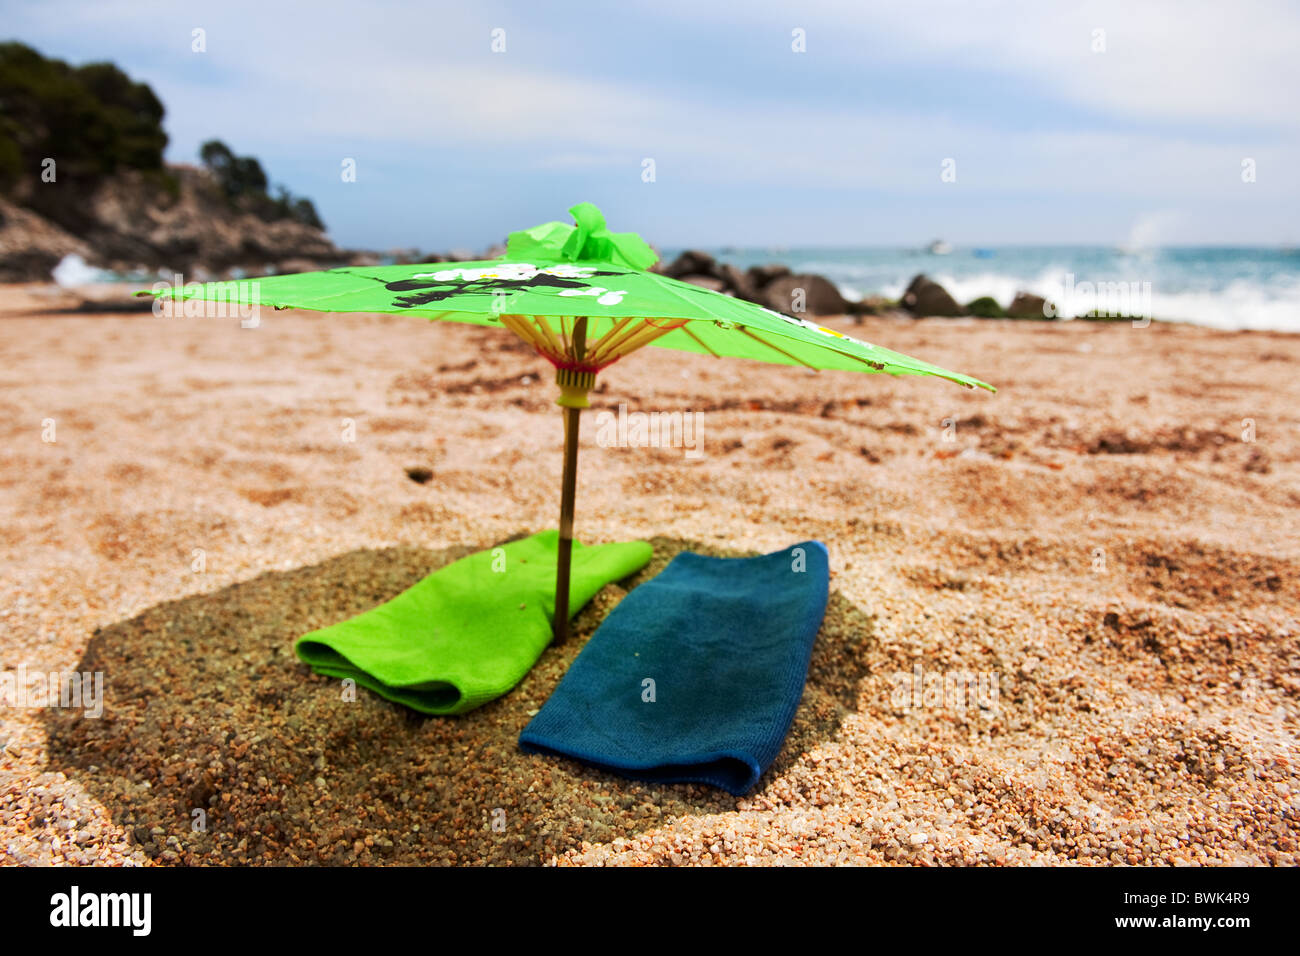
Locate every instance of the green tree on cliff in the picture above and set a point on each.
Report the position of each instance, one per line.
(92, 120)
(95, 121)
(244, 183)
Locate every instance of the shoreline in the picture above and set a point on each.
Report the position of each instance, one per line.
(102, 298)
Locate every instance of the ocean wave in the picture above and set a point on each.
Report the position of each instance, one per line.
(1229, 288)
(1240, 304)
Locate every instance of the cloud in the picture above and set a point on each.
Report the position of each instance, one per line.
(1162, 60)
(1012, 91)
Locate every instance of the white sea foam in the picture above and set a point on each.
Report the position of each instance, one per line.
(73, 270)
(1230, 288)
(1241, 304)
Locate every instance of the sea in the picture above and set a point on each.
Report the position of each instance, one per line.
(1228, 288)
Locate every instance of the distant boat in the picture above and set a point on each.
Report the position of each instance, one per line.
(984, 253)
(938, 248)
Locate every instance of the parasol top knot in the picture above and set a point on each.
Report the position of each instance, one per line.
(589, 240)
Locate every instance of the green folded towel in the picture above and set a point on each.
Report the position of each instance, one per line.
(470, 631)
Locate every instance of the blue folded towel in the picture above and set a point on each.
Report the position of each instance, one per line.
(725, 643)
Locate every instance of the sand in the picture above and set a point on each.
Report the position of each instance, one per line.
(1110, 540)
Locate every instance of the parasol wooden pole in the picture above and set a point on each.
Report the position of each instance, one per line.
(573, 399)
(568, 487)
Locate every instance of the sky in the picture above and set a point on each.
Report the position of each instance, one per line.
(790, 124)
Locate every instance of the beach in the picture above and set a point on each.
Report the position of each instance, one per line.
(1063, 628)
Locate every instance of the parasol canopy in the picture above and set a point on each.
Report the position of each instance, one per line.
(583, 297)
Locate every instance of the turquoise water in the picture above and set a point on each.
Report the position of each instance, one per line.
(1233, 288)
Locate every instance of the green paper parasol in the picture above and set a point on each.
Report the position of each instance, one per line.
(581, 296)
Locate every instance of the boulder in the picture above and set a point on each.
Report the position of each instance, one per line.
(924, 296)
(293, 266)
(706, 282)
(1026, 305)
(360, 257)
(692, 262)
(820, 297)
(985, 307)
(760, 276)
(738, 283)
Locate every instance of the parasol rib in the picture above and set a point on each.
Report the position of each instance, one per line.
(643, 336)
(775, 348)
(611, 342)
(519, 325)
(608, 336)
(549, 334)
(699, 341)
